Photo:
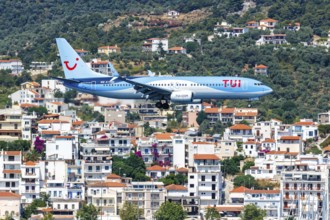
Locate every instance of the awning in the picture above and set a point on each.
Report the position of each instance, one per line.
(102, 148)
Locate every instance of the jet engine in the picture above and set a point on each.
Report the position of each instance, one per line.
(182, 97)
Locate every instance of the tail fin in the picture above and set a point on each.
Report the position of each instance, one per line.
(74, 67)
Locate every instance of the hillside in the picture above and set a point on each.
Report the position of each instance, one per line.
(300, 76)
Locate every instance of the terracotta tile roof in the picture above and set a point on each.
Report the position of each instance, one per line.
(182, 170)
(34, 92)
(251, 22)
(81, 50)
(179, 130)
(108, 47)
(240, 189)
(77, 122)
(206, 157)
(248, 114)
(50, 132)
(268, 140)
(113, 176)
(49, 209)
(304, 123)
(176, 48)
(281, 152)
(28, 105)
(156, 168)
(9, 194)
(290, 138)
(174, 187)
(10, 131)
(202, 142)
(211, 110)
(58, 103)
(206, 104)
(250, 142)
(327, 148)
(66, 137)
(107, 184)
(227, 110)
(51, 115)
(251, 191)
(268, 20)
(11, 153)
(163, 136)
(12, 171)
(240, 127)
(275, 119)
(49, 121)
(30, 163)
(226, 208)
(261, 66)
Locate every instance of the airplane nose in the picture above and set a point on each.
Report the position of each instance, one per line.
(268, 90)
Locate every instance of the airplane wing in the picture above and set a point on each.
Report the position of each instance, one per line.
(150, 92)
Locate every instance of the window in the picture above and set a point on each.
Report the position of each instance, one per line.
(213, 195)
(58, 206)
(191, 185)
(203, 178)
(191, 177)
(106, 167)
(65, 206)
(213, 178)
(191, 194)
(72, 206)
(56, 147)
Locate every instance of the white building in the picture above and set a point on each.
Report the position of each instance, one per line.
(10, 170)
(290, 144)
(54, 85)
(323, 118)
(10, 204)
(10, 124)
(225, 149)
(277, 39)
(179, 151)
(107, 196)
(31, 182)
(28, 123)
(62, 147)
(14, 65)
(305, 129)
(305, 193)
(56, 107)
(155, 44)
(204, 180)
(199, 147)
(251, 148)
(148, 196)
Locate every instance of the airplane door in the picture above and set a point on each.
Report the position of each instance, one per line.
(244, 85)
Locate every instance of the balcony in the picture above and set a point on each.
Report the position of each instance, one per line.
(98, 161)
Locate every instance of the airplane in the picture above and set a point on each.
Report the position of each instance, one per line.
(163, 89)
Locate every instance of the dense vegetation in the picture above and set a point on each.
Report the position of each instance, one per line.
(299, 76)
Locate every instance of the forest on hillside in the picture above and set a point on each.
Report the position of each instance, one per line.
(299, 75)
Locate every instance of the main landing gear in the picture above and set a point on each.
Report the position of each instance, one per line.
(161, 105)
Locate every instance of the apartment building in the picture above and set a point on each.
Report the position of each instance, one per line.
(97, 164)
(158, 148)
(108, 49)
(204, 179)
(238, 132)
(62, 147)
(31, 182)
(148, 196)
(107, 197)
(305, 193)
(10, 124)
(155, 45)
(225, 149)
(277, 39)
(10, 171)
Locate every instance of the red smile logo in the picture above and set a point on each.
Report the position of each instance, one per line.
(68, 67)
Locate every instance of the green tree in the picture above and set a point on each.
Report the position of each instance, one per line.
(201, 117)
(132, 117)
(148, 130)
(130, 211)
(231, 166)
(133, 167)
(87, 212)
(170, 211)
(38, 110)
(48, 216)
(70, 95)
(212, 214)
(247, 165)
(177, 179)
(58, 94)
(252, 212)
(205, 127)
(246, 181)
(32, 208)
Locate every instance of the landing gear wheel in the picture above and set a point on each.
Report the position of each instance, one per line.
(165, 105)
(159, 105)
